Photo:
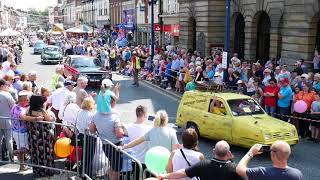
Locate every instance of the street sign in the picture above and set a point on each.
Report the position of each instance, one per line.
(225, 60)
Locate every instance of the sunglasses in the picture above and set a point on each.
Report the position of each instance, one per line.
(272, 83)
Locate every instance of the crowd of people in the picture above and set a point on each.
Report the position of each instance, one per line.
(274, 85)
(28, 109)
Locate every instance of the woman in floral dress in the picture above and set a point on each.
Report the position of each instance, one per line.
(41, 137)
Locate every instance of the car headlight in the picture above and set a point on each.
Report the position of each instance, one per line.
(267, 136)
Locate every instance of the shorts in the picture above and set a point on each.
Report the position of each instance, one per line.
(21, 139)
(115, 157)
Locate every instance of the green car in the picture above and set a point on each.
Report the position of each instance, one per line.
(51, 54)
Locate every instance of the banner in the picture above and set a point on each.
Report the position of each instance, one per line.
(129, 19)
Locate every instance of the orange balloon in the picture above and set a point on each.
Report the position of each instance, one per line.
(62, 147)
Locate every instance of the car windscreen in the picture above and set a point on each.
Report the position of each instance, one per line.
(51, 49)
(40, 44)
(85, 62)
(243, 107)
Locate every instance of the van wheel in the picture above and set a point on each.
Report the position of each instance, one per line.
(193, 126)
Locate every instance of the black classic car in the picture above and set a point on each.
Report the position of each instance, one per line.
(91, 67)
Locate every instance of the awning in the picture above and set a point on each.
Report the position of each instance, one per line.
(10, 32)
(80, 29)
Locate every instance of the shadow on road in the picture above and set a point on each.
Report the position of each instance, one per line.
(16, 176)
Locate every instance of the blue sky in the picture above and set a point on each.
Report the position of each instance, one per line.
(25, 4)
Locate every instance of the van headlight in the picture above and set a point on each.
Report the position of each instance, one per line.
(267, 136)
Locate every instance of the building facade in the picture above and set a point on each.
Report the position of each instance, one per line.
(169, 15)
(90, 12)
(69, 13)
(166, 19)
(115, 12)
(260, 29)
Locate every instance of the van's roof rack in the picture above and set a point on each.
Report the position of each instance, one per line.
(205, 86)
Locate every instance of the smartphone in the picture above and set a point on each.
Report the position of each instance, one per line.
(264, 149)
(151, 118)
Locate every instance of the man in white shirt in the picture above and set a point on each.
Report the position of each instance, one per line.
(137, 130)
(58, 97)
(218, 76)
(235, 60)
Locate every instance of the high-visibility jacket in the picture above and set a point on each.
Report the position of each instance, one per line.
(54, 80)
(136, 64)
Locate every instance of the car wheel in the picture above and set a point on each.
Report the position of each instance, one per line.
(193, 126)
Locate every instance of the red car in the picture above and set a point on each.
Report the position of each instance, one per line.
(91, 67)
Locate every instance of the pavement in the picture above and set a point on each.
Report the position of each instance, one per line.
(305, 156)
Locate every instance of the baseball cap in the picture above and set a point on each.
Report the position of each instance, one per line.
(107, 83)
(305, 76)
(24, 93)
(285, 80)
(69, 83)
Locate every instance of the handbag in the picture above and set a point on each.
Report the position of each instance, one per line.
(185, 158)
(79, 138)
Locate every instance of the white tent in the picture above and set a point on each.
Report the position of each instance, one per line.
(80, 29)
(10, 32)
(41, 31)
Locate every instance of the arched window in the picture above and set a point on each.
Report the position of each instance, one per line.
(263, 37)
(192, 31)
(239, 36)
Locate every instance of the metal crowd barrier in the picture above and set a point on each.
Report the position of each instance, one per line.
(147, 173)
(291, 118)
(104, 160)
(35, 147)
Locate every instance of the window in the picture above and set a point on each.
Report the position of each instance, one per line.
(217, 107)
(68, 60)
(243, 107)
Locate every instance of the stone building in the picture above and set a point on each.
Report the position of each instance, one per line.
(115, 12)
(260, 29)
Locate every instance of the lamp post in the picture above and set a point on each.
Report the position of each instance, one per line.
(227, 30)
(152, 27)
(93, 24)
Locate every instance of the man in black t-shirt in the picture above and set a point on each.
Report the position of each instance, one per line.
(219, 168)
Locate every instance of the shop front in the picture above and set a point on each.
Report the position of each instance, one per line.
(171, 33)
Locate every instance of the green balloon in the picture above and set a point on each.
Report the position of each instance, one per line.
(156, 159)
(191, 86)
